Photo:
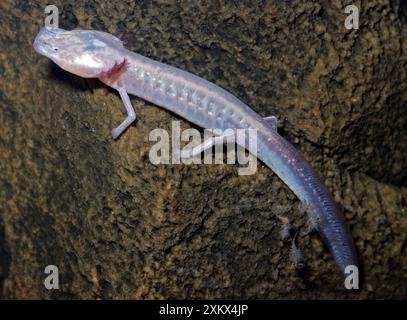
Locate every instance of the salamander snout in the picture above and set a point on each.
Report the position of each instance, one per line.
(49, 42)
(84, 53)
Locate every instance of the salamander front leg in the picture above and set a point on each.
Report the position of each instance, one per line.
(209, 143)
(131, 114)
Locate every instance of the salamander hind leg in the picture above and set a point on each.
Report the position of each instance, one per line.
(131, 114)
(209, 143)
(272, 121)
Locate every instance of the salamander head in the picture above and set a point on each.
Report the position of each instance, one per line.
(82, 52)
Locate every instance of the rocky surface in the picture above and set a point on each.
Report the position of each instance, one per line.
(118, 226)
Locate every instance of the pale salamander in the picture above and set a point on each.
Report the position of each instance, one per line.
(95, 54)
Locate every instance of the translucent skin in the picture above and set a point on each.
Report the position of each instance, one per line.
(98, 54)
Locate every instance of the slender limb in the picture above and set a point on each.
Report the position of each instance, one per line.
(209, 143)
(131, 114)
(272, 121)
